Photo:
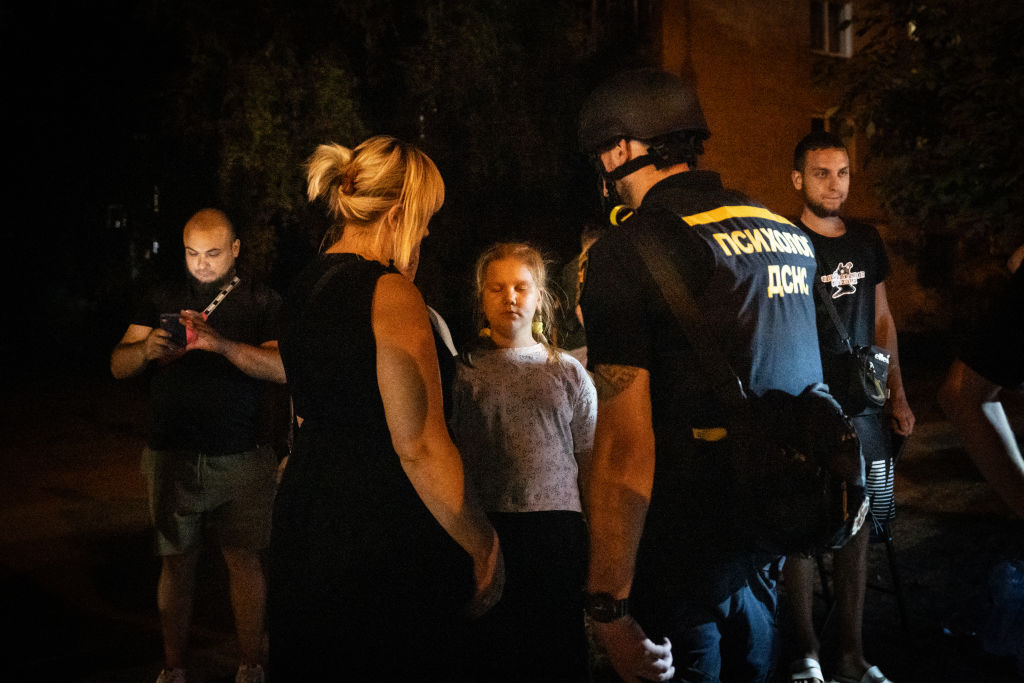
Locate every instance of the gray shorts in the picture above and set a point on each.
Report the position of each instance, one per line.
(190, 493)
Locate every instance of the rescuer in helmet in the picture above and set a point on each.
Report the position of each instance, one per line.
(673, 590)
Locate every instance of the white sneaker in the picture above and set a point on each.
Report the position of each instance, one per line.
(171, 676)
(249, 674)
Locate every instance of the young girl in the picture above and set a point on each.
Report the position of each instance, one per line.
(523, 419)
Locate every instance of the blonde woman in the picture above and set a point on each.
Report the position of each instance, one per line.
(378, 551)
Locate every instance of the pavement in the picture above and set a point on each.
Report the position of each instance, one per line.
(77, 575)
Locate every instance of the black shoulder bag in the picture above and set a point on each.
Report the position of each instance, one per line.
(796, 459)
(865, 369)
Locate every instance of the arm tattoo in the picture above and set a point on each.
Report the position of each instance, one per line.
(612, 380)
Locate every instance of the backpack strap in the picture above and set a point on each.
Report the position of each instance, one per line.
(726, 384)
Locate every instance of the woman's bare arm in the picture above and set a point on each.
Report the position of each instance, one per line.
(410, 386)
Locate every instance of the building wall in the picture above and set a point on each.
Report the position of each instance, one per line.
(751, 61)
(752, 64)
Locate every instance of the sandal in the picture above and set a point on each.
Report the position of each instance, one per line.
(808, 670)
(872, 675)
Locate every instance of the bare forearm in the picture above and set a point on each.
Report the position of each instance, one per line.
(971, 403)
(437, 475)
(261, 362)
(886, 337)
(989, 440)
(615, 514)
(621, 477)
(128, 359)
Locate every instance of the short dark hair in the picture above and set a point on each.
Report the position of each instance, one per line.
(679, 147)
(819, 139)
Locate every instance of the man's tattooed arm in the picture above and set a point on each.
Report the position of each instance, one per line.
(612, 380)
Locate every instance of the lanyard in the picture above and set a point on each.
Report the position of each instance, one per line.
(220, 297)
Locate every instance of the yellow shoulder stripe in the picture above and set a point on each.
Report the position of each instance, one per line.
(725, 212)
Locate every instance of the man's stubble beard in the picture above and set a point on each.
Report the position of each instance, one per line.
(819, 209)
(209, 288)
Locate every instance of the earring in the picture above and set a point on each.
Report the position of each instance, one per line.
(486, 332)
(537, 328)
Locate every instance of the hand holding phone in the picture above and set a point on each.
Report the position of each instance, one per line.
(170, 323)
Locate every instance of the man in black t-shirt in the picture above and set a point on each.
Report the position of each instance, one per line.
(672, 591)
(204, 464)
(853, 265)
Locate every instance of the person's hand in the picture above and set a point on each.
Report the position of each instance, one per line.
(159, 346)
(902, 416)
(632, 654)
(199, 333)
(489, 575)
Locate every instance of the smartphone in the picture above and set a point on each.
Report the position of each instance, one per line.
(170, 323)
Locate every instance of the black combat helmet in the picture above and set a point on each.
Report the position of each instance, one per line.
(641, 104)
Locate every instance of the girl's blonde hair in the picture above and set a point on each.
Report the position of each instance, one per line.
(529, 256)
(362, 185)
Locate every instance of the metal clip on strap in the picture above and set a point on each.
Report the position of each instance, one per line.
(220, 297)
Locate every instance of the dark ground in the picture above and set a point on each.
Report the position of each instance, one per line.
(77, 578)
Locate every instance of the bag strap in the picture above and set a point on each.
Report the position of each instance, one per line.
(220, 297)
(826, 301)
(725, 382)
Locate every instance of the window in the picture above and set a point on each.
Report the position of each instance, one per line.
(830, 27)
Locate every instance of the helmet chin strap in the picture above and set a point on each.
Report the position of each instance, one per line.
(610, 198)
(630, 166)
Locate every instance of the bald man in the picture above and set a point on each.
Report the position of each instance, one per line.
(209, 345)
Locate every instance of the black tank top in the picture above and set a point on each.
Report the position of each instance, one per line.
(357, 562)
(344, 481)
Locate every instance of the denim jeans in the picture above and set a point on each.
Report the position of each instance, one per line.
(734, 640)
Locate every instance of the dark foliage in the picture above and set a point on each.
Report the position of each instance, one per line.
(938, 88)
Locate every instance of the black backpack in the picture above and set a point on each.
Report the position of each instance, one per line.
(799, 467)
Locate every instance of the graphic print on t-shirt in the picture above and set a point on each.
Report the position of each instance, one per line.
(843, 279)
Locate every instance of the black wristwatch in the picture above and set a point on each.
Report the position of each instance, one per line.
(602, 607)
